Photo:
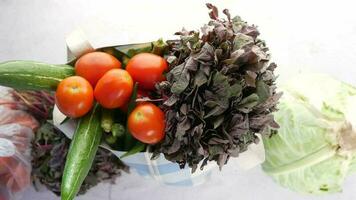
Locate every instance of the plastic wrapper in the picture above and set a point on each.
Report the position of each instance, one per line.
(16, 133)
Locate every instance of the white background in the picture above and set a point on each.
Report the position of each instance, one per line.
(303, 35)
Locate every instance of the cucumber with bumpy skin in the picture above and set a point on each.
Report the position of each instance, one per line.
(81, 153)
(31, 75)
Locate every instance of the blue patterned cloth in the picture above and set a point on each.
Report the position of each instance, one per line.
(166, 172)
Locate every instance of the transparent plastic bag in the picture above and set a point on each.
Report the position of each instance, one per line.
(16, 133)
(15, 162)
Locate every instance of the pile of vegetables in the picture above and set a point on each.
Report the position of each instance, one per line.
(99, 78)
(92, 92)
(202, 98)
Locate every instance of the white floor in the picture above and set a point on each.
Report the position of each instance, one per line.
(303, 36)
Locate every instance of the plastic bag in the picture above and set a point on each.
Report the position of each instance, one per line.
(16, 133)
(8, 116)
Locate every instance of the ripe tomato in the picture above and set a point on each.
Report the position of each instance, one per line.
(147, 69)
(74, 96)
(147, 123)
(92, 66)
(114, 89)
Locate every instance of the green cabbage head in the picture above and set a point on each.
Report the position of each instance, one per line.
(315, 147)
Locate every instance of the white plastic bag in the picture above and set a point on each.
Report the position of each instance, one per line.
(15, 165)
(16, 133)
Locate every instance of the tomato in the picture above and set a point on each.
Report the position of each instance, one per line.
(114, 89)
(74, 96)
(147, 69)
(92, 66)
(147, 123)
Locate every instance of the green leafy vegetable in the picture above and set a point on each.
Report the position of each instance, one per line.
(315, 148)
(133, 49)
(125, 52)
(138, 147)
(65, 120)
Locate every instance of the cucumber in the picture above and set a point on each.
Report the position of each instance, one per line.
(81, 153)
(31, 75)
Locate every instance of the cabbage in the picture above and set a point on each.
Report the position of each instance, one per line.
(314, 149)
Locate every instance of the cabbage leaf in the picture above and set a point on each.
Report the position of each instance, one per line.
(314, 149)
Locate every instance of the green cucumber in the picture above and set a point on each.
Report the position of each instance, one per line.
(31, 75)
(81, 153)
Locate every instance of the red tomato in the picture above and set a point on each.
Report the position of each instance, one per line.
(92, 66)
(74, 96)
(114, 89)
(147, 123)
(147, 69)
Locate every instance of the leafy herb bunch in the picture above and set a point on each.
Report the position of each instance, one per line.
(220, 92)
(49, 152)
